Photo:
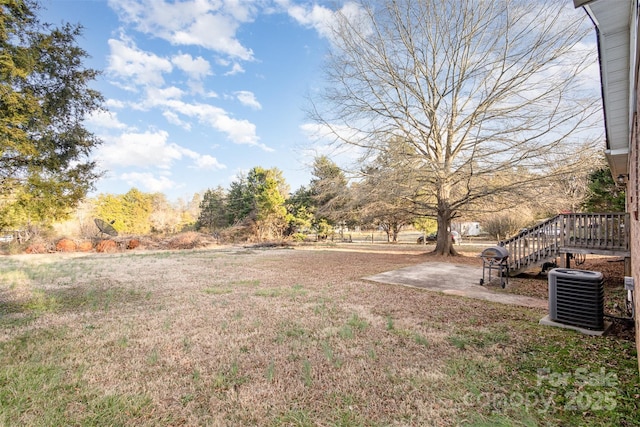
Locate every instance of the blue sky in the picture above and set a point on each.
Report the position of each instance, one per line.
(199, 90)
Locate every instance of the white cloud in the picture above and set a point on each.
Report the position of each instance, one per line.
(321, 18)
(316, 16)
(148, 181)
(209, 24)
(146, 150)
(249, 99)
(213, 32)
(195, 68)
(238, 131)
(156, 96)
(174, 119)
(203, 161)
(114, 103)
(207, 162)
(135, 66)
(105, 120)
(235, 69)
(150, 150)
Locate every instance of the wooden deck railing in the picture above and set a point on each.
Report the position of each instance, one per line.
(606, 232)
(595, 233)
(534, 245)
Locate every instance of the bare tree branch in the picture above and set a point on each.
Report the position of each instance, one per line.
(490, 96)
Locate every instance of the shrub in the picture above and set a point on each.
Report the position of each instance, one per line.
(506, 223)
(188, 240)
(85, 246)
(299, 237)
(108, 246)
(66, 245)
(238, 233)
(36, 248)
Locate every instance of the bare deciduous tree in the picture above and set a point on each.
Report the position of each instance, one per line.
(479, 90)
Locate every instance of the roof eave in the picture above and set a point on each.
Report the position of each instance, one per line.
(613, 27)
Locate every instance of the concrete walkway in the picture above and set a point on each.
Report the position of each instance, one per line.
(452, 279)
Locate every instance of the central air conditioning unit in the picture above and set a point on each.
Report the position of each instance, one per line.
(576, 298)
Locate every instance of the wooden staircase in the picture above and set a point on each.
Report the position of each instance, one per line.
(575, 233)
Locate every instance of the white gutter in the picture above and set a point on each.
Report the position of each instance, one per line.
(616, 28)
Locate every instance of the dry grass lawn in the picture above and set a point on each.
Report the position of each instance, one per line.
(279, 336)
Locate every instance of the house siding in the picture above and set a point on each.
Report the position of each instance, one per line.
(618, 22)
(633, 207)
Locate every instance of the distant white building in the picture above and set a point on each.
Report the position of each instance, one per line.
(469, 228)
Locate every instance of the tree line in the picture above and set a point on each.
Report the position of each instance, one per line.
(260, 205)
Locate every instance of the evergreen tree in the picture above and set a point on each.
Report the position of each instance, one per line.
(301, 208)
(330, 191)
(213, 211)
(604, 195)
(44, 98)
(259, 200)
(268, 189)
(239, 201)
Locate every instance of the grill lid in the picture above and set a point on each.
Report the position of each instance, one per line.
(495, 252)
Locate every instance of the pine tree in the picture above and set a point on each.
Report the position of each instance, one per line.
(45, 168)
(604, 195)
(213, 211)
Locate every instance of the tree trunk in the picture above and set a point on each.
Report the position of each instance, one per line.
(444, 244)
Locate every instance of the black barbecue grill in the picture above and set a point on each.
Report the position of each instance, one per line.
(495, 258)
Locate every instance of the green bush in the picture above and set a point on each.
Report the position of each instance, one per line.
(299, 237)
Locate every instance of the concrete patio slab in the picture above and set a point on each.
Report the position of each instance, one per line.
(452, 279)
